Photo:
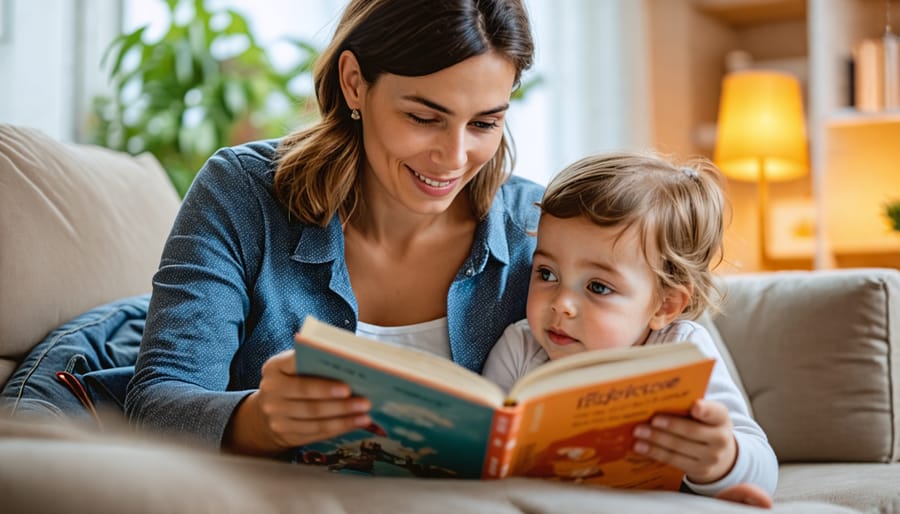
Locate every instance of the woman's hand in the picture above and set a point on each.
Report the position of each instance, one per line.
(703, 444)
(290, 410)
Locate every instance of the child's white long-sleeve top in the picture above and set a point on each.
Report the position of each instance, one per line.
(518, 352)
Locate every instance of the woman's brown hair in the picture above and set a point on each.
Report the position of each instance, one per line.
(318, 167)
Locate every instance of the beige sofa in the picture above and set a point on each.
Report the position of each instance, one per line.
(817, 353)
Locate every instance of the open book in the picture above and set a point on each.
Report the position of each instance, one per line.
(571, 419)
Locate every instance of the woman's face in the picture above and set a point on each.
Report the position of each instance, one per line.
(426, 137)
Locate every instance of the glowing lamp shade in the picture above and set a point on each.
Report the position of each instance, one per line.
(761, 133)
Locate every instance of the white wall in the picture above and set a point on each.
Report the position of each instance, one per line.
(592, 58)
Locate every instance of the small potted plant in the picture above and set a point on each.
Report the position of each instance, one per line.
(892, 211)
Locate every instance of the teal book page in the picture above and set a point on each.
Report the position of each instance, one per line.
(417, 431)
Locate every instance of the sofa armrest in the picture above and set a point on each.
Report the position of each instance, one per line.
(818, 355)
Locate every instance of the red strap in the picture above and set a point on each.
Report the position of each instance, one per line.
(75, 385)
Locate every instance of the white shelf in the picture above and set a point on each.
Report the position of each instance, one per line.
(752, 12)
(850, 116)
(887, 245)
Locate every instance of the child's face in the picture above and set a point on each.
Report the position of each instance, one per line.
(589, 291)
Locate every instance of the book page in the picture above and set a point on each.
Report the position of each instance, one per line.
(424, 368)
(603, 365)
(584, 433)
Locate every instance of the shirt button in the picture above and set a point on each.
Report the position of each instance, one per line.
(346, 322)
(470, 272)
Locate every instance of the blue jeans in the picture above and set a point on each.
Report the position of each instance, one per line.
(93, 354)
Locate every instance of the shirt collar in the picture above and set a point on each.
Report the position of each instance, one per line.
(318, 245)
(495, 230)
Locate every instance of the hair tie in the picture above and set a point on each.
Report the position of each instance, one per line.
(691, 173)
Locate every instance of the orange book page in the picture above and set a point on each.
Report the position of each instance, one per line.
(584, 434)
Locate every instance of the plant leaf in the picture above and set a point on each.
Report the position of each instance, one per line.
(184, 62)
(125, 42)
(235, 97)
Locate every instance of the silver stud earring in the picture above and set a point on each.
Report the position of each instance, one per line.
(354, 114)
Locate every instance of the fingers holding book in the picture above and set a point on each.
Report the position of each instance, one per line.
(290, 410)
(703, 444)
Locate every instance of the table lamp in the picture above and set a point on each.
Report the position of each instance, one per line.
(761, 133)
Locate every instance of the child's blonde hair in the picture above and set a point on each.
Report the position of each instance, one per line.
(679, 209)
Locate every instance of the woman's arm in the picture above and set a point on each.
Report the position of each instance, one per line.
(221, 318)
(198, 309)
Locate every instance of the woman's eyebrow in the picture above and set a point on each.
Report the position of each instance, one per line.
(440, 108)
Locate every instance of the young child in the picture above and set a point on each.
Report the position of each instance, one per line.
(624, 249)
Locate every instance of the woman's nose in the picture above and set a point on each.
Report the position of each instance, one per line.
(451, 151)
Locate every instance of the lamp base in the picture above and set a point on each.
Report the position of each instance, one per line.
(762, 206)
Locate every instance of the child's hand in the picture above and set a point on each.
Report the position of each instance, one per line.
(703, 444)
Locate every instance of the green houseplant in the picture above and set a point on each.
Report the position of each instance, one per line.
(204, 84)
(892, 211)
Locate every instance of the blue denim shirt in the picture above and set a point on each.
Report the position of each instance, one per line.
(237, 277)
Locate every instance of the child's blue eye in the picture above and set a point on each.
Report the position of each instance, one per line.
(546, 275)
(599, 288)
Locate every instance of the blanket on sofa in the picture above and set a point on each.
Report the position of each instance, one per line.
(81, 369)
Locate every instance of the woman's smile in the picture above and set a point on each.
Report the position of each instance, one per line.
(433, 186)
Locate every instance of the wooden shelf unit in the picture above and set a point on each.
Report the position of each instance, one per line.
(689, 40)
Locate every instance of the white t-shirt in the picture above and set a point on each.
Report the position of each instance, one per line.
(518, 352)
(431, 336)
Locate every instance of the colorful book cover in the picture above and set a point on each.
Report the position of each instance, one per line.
(416, 431)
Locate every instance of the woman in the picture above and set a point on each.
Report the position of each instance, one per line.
(394, 216)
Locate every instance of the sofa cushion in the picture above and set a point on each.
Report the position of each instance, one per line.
(79, 226)
(868, 487)
(818, 354)
(706, 320)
